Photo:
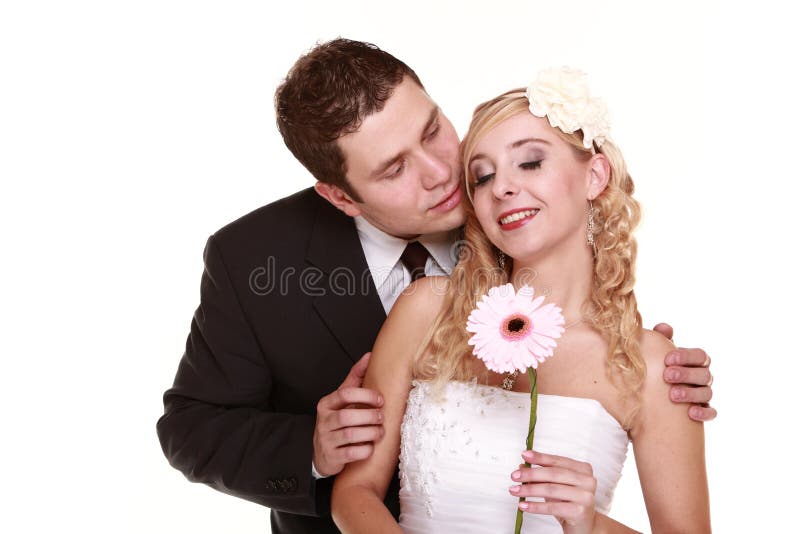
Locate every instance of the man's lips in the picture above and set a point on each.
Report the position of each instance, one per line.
(516, 218)
(450, 201)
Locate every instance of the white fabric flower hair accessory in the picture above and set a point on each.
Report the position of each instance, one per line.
(562, 95)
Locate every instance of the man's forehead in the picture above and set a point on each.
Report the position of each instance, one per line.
(403, 119)
(408, 103)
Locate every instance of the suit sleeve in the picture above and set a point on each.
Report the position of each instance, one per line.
(218, 427)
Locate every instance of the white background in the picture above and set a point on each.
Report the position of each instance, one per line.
(130, 131)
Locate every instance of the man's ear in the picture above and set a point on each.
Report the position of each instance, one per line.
(336, 196)
(599, 175)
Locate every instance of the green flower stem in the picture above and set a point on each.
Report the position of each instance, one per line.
(529, 441)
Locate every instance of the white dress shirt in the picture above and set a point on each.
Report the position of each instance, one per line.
(383, 253)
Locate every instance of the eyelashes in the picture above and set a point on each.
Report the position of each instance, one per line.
(398, 169)
(483, 179)
(530, 165)
(526, 166)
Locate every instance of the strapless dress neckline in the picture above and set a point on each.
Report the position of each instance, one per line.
(459, 447)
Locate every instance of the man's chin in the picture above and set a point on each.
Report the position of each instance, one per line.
(449, 221)
(460, 216)
(452, 219)
(445, 222)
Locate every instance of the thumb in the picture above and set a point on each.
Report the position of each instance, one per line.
(357, 372)
(664, 329)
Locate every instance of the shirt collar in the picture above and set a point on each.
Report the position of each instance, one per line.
(442, 246)
(382, 251)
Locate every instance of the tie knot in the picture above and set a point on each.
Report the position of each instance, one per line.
(414, 258)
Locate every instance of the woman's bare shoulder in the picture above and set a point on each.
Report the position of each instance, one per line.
(654, 348)
(421, 301)
(410, 320)
(656, 404)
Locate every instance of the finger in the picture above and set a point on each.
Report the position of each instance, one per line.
(557, 475)
(355, 434)
(688, 357)
(357, 372)
(702, 413)
(344, 397)
(693, 376)
(553, 491)
(664, 329)
(355, 417)
(553, 460)
(353, 453)
(690, 395)
(567, 510)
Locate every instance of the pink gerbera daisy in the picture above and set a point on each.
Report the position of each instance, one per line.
(514, 331)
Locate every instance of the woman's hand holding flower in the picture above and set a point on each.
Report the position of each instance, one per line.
(566, 485)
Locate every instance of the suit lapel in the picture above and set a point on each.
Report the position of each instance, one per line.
(348, 304)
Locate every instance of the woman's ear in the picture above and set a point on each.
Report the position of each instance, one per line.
(599, 175)
(336, 196)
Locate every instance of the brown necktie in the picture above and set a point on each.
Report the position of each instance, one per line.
(414, 257)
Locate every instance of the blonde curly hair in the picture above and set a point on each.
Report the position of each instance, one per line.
(611, 306)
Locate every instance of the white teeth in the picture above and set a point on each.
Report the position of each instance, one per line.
(517, 216)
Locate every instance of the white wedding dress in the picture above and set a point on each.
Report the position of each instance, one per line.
(457, 454)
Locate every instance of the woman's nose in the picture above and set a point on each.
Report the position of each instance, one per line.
(503, 185)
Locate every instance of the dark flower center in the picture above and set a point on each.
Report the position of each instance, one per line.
(515, 325)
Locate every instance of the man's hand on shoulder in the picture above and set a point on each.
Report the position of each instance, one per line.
(349, 420)
(689, 372)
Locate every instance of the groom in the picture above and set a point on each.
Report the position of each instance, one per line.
(266, 403)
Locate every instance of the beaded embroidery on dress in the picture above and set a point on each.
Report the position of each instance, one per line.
(457, 453)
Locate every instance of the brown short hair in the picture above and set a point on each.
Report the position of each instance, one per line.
(328, 93)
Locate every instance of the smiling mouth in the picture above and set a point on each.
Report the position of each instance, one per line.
(518, 216)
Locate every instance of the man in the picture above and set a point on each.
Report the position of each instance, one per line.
(267, 403)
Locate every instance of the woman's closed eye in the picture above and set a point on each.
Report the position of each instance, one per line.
(479, 181)
(530, 165)
(526, 166)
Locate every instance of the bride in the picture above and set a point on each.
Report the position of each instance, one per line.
(551, 207)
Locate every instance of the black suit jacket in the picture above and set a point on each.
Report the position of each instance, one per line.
(287, 306)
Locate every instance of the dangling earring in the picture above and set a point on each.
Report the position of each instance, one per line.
(590, 227)
(501, 260)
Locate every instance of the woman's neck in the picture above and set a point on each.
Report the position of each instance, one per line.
(564, 276)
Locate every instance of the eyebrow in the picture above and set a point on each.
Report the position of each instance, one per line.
(515, 144)
(384, 165)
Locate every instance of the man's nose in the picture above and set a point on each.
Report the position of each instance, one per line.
(435, 171)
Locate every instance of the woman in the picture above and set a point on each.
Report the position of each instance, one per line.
(552, 208)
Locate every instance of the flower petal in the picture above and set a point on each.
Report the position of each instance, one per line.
(503, 355)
